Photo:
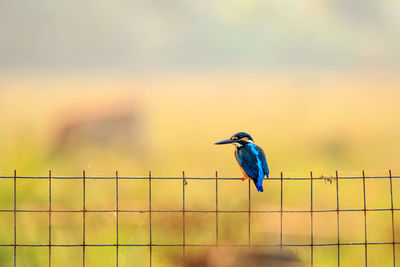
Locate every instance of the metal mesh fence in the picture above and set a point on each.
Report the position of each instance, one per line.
(217, 211)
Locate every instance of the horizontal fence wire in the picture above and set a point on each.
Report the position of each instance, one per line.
(217, 211)
(196, 178)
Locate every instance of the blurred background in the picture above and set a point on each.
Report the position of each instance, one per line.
(137, 86)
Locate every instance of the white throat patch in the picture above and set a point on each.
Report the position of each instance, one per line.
(237, 144)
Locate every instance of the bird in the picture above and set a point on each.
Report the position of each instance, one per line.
(251, 158)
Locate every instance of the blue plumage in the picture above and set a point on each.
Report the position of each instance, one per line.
(250, 157)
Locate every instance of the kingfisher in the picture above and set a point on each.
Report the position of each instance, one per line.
(251, 158)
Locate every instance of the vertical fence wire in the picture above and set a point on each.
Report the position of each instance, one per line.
(84, 218)
(183, 219)
(49, 218)
(151, 236)
(365, 222)
(216, 209)
(15, 218)
(391, 208)
(117, 214)
(249, 241)
(312, 219)
(337, 219)
(281, 213)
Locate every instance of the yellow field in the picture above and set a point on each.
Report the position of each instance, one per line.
(304, 121)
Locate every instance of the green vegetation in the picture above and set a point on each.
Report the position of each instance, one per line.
(304, 123)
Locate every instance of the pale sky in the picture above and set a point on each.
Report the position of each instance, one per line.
(140, 35)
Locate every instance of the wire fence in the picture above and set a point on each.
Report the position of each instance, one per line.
(216, 211)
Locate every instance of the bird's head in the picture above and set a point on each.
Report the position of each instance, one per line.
(239, 139)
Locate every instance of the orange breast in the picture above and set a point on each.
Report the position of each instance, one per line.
(244, 173)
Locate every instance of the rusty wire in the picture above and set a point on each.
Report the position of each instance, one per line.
(217, 211)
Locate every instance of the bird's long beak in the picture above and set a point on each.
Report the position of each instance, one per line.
(226, 141)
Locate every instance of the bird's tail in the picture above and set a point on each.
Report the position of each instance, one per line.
(259, 185)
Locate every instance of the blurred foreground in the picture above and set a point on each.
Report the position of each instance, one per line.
(242, 258)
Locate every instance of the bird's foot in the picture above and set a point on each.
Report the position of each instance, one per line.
(243, 178)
